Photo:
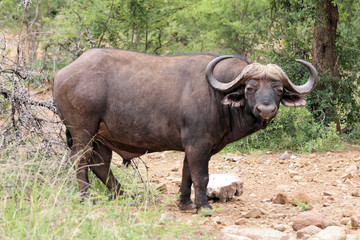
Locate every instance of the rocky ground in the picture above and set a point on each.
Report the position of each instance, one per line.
(327, 185)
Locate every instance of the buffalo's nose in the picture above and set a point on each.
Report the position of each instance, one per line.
(266, 111)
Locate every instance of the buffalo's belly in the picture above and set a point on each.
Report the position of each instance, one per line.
(139, 141)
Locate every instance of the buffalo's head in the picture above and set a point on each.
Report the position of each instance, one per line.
(261, 88)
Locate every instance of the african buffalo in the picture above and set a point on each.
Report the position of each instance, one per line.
(134, 103)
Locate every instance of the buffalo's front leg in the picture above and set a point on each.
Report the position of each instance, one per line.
(185, 189)
(198, 156)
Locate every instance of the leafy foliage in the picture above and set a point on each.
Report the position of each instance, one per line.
(294, 130)
(276, 31)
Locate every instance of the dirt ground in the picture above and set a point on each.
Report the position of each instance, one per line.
(330, 181)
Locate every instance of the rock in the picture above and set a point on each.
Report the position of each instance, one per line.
(280, 227)
(217, 220)
(309, 218)
(284, 156)
(331, 233)
(344, 221)
(293, 173)
(309, 230)
(162, 187)
(327, 193)
(281, 198)
(346, 176)
(167, 216)
(347, 212)
(253, 213)
(297, 178)
(254, 233)
(300, 197)
(240, 221)
(158, 175)
(233, 158)
(355, 193)
(224, 187)
(228, 236)
(355, 222)
(353, 168)
(334, 183)
(175, 169)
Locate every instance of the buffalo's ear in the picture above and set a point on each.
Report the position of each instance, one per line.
(235, 99)
(293, 100)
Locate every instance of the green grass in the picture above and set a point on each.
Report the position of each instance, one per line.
(39, 199)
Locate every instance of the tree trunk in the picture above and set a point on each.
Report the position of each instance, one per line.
(324, 50)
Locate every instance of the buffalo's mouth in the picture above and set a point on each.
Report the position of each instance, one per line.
(265, 112)
(264, 123)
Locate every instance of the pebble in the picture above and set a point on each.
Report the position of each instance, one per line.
(168, 216)
(355, 222)
(347, 212)
(284, 156)
(240, 221)
(334, 183)
(175, 169)
(344, 221)
(309, 230)
(297, 178)
(293, 173)
(281, 198)
(280, 227)
(353, 168)
(253, 213)
(355, 193)
(158, 174)
(162, 187)
(327, 193)
(346, 176)
(301, 197)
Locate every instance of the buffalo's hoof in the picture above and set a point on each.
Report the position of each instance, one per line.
(187, 206)
(205, 211)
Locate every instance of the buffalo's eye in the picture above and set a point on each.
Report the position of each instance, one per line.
(251, 89)
(279, 90)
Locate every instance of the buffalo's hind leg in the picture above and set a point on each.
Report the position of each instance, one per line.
(185, 189)
(100, 165)
(81, 152)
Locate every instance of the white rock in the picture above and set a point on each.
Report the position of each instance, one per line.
(284, 156)
(293, 173)
(224, 186)
(331, 233)
(280, 227)
(229, 236)
(168, 216)
(254, 233)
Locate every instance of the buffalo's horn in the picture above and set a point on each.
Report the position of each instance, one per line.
(308, 86)
(214, 83)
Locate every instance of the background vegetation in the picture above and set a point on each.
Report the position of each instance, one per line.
(54, 33)
(38, 37)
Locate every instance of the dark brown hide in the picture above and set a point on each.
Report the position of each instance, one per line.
(132, 103)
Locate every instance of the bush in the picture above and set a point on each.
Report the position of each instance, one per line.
(293, 129)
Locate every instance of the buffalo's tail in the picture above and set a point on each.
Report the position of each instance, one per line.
(69, 140)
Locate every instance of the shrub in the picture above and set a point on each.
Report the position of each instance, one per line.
(293, 129)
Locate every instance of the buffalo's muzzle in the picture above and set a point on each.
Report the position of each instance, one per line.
(266, 112)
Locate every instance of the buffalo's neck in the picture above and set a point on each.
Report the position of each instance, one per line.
(241, 123)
